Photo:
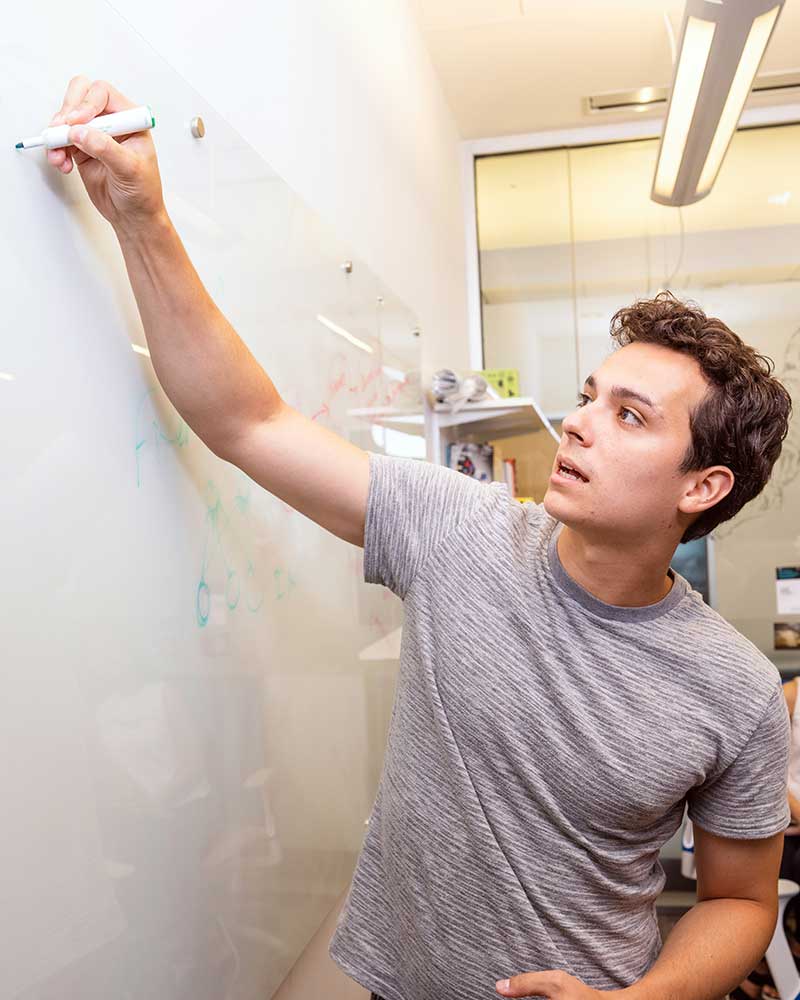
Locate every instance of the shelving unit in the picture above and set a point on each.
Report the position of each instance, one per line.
(489, 420)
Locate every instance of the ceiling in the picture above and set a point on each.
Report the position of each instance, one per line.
(515, 66)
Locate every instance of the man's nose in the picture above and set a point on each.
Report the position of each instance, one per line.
(576, 425)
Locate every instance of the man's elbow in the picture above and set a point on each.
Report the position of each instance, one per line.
(764, 928)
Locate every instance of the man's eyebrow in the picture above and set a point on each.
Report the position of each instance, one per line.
(623, 392)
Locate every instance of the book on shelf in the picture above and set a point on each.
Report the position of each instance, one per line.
(510, 475)
(474, 460)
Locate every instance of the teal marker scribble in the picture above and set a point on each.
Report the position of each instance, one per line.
(232, 590)
(223, 537)
(152, 432)
(242, 498)
(203, 603)
(280, 593)
(257, 606)
(217, 520)
(216, 553)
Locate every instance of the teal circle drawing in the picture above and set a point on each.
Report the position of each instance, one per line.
(232, 589)
(203, 603)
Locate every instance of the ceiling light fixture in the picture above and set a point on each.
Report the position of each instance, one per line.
(655, 99)
(721, 48)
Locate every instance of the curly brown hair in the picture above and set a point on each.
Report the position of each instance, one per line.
(743, 419)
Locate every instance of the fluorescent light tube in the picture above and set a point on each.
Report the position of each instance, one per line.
(742, 82)
(6, 376)
(721, 48)
(141, 350)
(343, 333)
(695, 51)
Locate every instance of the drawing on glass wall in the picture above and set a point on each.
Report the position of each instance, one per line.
(151, 430)
(217, 551)
(231, 575)
(787, 467)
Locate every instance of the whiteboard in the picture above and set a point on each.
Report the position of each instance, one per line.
(191, 739)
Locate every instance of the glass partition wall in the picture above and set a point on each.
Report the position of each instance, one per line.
(568, 236)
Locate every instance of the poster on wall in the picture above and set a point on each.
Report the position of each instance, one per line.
(787, 590)
(787, 635)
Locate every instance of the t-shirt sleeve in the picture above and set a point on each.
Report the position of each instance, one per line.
(412, 506)
(748, 799)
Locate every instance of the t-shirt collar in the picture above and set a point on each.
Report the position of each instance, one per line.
(612, 611)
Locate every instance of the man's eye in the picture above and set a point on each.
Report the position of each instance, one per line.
(583, 399)
(630, 413)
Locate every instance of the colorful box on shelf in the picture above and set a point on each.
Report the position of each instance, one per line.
(504, 380)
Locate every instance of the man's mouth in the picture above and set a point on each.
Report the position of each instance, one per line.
(570, 472)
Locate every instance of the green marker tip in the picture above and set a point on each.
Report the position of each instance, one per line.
(18, 146)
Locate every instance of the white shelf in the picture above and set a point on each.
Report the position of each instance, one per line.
(493, 418)
(487, 420)
(408, 421)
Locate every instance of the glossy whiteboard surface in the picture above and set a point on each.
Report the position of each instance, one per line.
(195, 683)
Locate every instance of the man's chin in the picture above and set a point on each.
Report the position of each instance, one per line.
(559, 507)
(553, 503)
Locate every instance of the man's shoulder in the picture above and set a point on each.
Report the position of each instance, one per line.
(535, 517)
(725, 657)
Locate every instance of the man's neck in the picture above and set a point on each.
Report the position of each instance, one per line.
(628, 577)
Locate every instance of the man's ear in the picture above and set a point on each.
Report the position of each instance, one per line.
(706, 488)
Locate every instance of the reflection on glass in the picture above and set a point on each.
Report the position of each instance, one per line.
(735, 253)
(526, 273)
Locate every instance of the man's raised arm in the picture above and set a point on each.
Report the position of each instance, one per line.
(205, 368)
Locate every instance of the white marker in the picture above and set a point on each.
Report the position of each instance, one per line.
(120, 123)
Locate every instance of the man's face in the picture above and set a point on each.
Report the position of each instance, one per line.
(628, 439)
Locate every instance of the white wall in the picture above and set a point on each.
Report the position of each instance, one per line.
(342, 101)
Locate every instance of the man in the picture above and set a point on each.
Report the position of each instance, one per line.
(562, 693)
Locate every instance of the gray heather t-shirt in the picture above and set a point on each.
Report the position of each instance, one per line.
(541, 748)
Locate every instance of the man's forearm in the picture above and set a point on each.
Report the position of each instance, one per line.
(203, 365)
(709, 951)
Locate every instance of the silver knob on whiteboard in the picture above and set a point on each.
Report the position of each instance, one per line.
(197, 127)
